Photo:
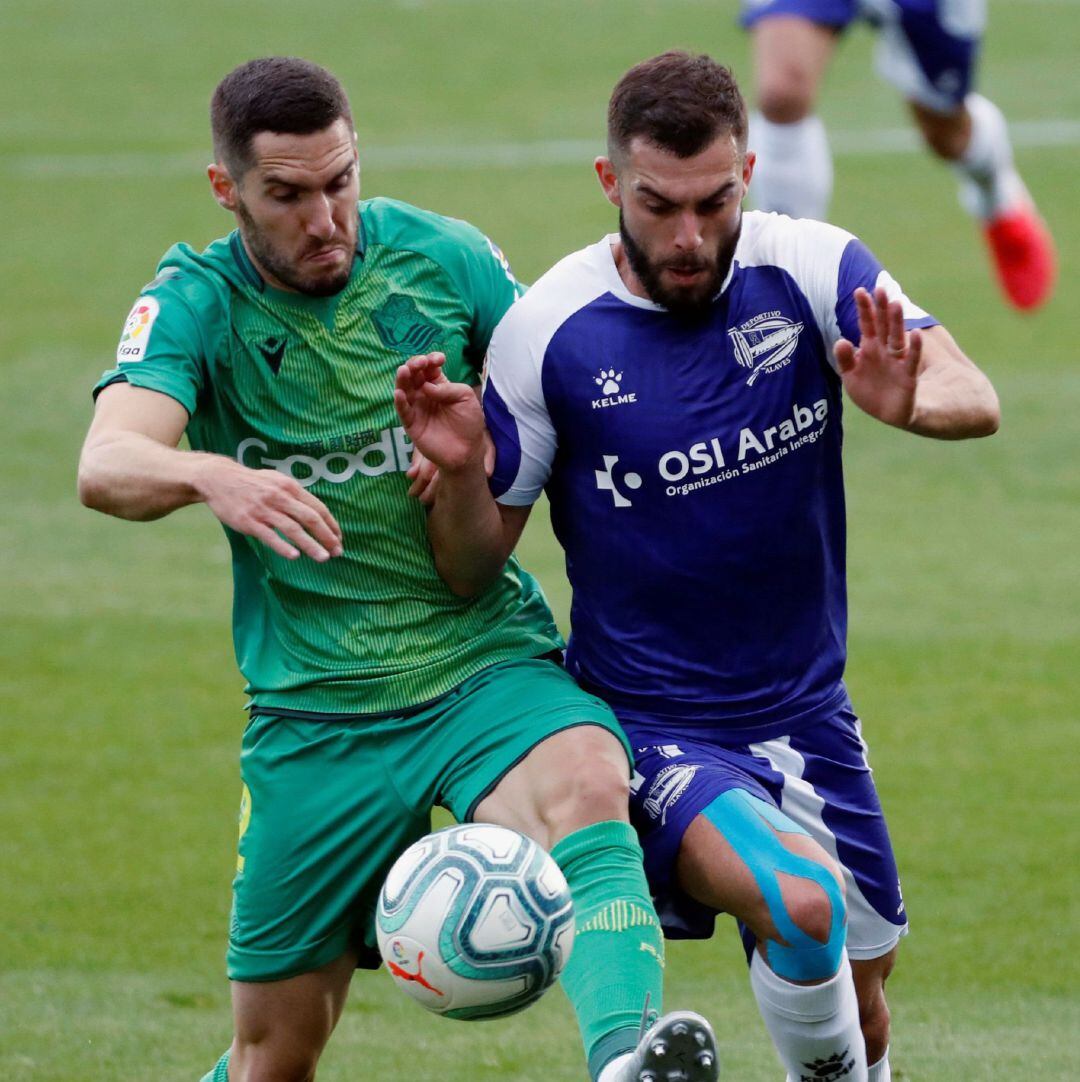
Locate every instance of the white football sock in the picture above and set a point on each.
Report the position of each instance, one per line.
(880, 1072)
(812, 1025)
(612, 1071)
(794, 172)
(989, 182)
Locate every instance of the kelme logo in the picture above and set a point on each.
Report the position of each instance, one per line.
(402, 327)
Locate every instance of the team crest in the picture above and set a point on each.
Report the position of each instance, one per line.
(765, 343)
(402, 327)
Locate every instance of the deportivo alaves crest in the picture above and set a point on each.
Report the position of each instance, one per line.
(402, 327)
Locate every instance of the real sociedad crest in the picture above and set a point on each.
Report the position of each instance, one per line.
(765, 343)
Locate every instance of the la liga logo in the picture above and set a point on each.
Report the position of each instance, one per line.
(136, 332)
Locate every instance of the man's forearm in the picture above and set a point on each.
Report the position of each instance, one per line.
(955, 402)
(467, 532)
(135, 477)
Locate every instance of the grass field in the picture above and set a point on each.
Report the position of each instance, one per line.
(120, 708)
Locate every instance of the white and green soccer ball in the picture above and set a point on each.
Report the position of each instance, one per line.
(475, 921)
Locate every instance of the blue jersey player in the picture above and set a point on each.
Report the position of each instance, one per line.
(676, 388)
(928, 50)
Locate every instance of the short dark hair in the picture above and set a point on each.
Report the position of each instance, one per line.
(277, 94)
(677, 101)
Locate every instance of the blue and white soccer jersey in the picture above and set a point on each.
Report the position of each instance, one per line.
(926, 48)
(694, 476)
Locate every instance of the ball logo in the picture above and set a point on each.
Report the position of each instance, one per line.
(136, 333)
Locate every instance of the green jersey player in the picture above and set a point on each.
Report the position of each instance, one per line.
(376, 693)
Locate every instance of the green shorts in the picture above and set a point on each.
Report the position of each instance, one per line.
(329, 804)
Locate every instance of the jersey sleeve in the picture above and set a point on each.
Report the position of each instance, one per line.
(517, 415)
(859, 267)
(492, 289)
(163, 343)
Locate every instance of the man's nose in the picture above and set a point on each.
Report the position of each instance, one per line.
(688, 235)
(320, 218)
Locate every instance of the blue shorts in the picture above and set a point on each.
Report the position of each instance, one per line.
(926, 48)
(819, 777)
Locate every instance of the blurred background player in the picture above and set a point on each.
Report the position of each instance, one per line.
(928, 50)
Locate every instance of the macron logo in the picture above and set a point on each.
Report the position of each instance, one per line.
(605, 481)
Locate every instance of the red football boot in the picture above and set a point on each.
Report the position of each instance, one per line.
(1024, 255)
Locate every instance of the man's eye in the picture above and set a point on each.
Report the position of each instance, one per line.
(657, 208)
(283, 197)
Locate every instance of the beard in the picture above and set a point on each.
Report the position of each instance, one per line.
(285, 269)
(692, 302)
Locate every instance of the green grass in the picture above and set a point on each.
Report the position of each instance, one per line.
(120, 707)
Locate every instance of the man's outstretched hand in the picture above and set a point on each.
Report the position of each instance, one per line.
(444, 420)
(880, 374)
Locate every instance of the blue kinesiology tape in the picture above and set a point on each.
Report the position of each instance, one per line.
(749, 824)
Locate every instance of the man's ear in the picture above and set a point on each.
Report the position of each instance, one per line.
(609, 180)
(749, 161)
(222, 186)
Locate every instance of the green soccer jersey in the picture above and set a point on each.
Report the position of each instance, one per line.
(304, 385)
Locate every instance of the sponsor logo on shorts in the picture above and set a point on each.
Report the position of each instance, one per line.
(666, 790)
(136, 333)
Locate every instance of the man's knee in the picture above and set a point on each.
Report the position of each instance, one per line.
(589, 791)
(272, 1061)
(946, 134)
(815, 905)
(790, 58)
(786, 94)
(800, 917)
(283, 1026)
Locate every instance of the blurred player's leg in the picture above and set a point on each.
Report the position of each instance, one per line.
(794, 173)
(929, 54)
(975, 141)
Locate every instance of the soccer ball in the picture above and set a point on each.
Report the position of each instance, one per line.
(475, 921)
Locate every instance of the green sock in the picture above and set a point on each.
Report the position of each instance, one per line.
(220, 1073)
(618, 955)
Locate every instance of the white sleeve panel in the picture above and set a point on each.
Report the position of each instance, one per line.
(515, 404)
(827, 264)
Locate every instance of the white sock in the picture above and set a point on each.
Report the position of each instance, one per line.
(989, 182)
(794, 172)
(612, 1071)
(880, 1072)
(812, 1024)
